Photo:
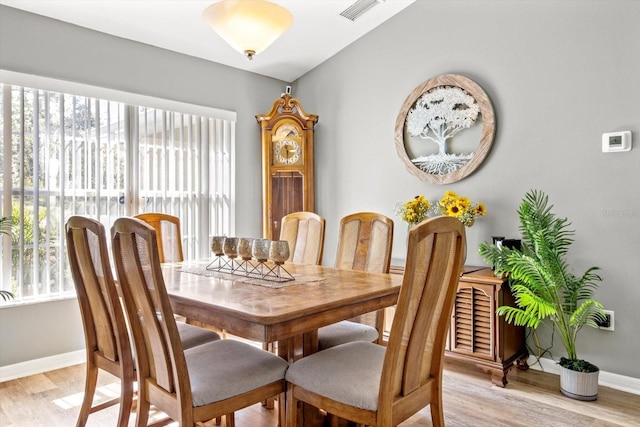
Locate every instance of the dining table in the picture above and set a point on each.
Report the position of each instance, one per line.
(288, 313)
(283, 313)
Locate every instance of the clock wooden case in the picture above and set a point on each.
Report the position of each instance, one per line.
(288, 180)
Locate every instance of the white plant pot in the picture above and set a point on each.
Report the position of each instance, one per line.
(579, 385)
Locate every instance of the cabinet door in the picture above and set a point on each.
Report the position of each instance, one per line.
(473, 321)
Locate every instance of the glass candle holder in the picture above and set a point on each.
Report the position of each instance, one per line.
(231, 247)
(279, 251)
(260, 249)
(217, 245)
(245, 248)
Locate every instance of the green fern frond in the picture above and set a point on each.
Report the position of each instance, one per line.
(518, 317)
(531, 303)
(5, 225)
(586, 313)
(6, 295)
(587, 284)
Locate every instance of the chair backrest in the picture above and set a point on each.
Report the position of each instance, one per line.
(364, 242)
(160, 357)
(104, 323)
(415, 352)
(305, 233)
(168, 234)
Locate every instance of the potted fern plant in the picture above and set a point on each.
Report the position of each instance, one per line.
(545, 287)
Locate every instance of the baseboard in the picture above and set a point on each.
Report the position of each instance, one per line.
(605, 379)
(38, 366)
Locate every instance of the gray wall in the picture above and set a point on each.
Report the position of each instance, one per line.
(559, 74)
(33, 44)
(34, 331)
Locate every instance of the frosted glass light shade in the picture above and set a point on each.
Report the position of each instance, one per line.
(249, 26)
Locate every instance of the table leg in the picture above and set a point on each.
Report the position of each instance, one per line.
(294, 349)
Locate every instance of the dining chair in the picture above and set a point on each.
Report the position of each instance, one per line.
(168, 234)
(364, 243)
(169, 238)
(305, 233)
(106, 338)
(374, 385)
(107, 342)
(189, 385)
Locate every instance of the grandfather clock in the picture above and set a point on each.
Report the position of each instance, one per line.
(287, 163)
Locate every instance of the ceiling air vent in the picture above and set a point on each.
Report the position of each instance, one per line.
(359, 8)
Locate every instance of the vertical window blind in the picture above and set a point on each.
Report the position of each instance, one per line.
(65, 154)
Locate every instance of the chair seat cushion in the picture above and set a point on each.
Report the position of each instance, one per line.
(349, 373)
(344, 332)
(227, 368)
(192, 336)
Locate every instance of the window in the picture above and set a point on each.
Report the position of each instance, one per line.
(65, 154)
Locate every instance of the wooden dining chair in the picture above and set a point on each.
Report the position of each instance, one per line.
(169, 238)
(305, 233)
(107, 342)
(190, 385)
(364, 243)
(168, 233)
(106, 338)
(382, 386)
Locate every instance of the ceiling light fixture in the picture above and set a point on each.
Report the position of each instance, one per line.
(249, 26)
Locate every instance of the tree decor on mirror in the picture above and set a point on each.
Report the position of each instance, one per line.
(414, 211)
(432, 115)
(543, 284)
(460, 207)
(438, 116)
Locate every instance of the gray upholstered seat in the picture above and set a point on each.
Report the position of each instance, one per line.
(192, 336)
(348, 373)
(230, 363)
(344, 332)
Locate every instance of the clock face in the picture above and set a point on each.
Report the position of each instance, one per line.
(286, 152)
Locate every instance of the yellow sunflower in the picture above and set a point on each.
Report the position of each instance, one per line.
(455, 210)
(480, 209)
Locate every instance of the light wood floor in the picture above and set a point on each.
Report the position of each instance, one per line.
(530, 399)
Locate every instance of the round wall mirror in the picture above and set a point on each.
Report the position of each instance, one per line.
(445, 129)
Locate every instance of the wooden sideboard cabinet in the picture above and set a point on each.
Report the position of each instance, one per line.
(477, 334)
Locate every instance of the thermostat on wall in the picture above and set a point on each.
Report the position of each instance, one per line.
(613, 142)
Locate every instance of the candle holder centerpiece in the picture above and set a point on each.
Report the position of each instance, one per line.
(255, 258)
(279, 253)
(217, 247)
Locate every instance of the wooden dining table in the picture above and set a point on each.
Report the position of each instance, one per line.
(288, 313)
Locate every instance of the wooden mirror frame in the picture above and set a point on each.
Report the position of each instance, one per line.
(488, 127)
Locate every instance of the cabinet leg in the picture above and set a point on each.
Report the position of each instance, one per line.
(522, 362)
(498, 376)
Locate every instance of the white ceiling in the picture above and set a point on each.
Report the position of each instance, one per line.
(318, 31)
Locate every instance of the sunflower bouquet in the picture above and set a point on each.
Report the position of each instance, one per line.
(460, 207)
(414, 211)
